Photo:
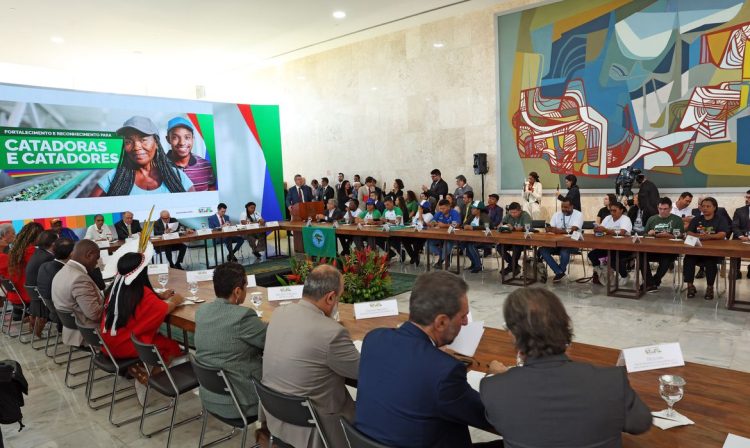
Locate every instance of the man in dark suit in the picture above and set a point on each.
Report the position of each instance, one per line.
(551, 400)
(328, 191)
(648, 197)
(127, 226)
(298, 193)
(411, 394)
(162, 226)
(438, 188)
(219, 220)
(741, 229)
(61, 251)
(331, 213)
(41, 255)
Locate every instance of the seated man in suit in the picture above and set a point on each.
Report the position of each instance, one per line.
(219, 220)
(75, 291)
(162, 226)
(331, 213)
(61, 250)
(309, 354)
(41, 255)
(552, 401)
(741, 230)
(127, 226)
(411, 394)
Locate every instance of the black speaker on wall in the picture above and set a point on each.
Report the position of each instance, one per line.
(480, 163)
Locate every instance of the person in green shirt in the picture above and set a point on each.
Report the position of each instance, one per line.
(662, 225)
(394, 216)
(515, 220)
(370, 215)
(412, 205)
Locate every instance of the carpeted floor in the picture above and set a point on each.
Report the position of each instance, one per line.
(401, 283)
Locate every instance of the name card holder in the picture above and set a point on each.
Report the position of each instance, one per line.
(693, 241)
(636, 239)
(254, 225)
(381, 308)
(156, 269)
(103, 244)
(170, 236)
(651, 357)
(285, 293)
(201, 232)
(229, 228)
(576, 236)
(251, 283)
(204, 275)
(272, 224)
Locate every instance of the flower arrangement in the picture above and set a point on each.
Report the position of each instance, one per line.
(366, 276)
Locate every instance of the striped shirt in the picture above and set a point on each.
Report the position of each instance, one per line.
(199, 171)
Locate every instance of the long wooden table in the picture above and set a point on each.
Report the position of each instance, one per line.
(733, 249)
(717, 399)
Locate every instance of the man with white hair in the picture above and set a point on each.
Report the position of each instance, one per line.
(7, 236)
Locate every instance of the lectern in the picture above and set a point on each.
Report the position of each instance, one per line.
(300, 212)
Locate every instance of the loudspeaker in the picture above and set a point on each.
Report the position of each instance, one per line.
(480, 163)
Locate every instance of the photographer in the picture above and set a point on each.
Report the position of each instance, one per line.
(648, 197)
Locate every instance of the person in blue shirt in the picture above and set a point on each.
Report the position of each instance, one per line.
(410, 393)
(444, 218)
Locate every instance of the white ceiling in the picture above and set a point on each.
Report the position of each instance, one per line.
(193, 40)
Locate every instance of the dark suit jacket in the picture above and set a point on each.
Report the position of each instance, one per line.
(292, 196)
(574, 194)
(159, 226)
(47, 272)
(213, 221)
(327, 193)
(332, 215)
(552, 401)
(122, 230)
(410, 394)
(438, 189)
(648, 199)
(39, 257)
(740, 222)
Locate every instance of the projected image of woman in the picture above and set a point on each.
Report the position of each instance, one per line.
(144, 167)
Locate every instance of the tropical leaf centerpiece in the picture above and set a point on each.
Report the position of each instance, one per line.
(366, 276)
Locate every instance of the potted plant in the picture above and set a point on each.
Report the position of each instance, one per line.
(366, 276)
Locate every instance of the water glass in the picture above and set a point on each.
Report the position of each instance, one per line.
(256, 298)
(676, 233)
(163, 280)
(527, 227)
(204, 226)
(671, 389)
(193, 288)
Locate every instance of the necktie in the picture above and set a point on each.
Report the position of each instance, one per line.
(221, 220)
(299, 192)
(128, 225)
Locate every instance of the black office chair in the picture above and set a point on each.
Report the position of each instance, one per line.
(356, 439)
(217, 382)
(170, 382)
(102, 359)
(69, 321)
(297, 411)
(16, 309)
(38, 310)
(58, 327)
(538, 223)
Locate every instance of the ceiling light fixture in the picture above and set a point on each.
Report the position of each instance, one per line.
(339, 14)
(438, 45)
(56, 39)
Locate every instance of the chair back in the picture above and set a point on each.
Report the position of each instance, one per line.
(216, 381)
(537, 223)
(356, 439)
(52, 310)
(32, 292)
(67, 319)
(588, 225)
(89, 335)
(297, 411)
(148, 353)
(8, 287)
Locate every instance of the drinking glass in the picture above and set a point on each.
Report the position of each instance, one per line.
(567, 231)
(204, 226)
(193, 288)
(617, 231)
(256, 298)
(527, 227)
(676, 233)
(163, 280)
(671, 389)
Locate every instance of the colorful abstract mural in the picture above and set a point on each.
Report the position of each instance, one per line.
(593, 86)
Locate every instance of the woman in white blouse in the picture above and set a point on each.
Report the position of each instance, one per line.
(532, 195)
(98, 231)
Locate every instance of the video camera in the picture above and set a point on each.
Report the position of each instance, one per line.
(625, 180)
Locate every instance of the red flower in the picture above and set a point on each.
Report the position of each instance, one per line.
(293, 277)
(334, 263)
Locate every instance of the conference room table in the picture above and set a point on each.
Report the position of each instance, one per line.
(716, 399)
(640, 247)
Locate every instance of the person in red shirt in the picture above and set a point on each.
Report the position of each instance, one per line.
(13, 264)
(133, 307)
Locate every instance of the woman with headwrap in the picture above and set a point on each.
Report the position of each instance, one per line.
(144, 167)
(133, 307)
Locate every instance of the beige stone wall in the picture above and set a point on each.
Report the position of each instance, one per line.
(395, 106)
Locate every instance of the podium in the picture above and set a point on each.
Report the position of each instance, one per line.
(300, 212)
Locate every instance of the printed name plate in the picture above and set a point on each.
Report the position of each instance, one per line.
(103, 244)
(251, 281)
(203, 232)
(285, 293)
(156, 269)
(254, 225)
(204, 275)
(170, 236)
(272, 224)
(694, 241)
(381, 308)
(651, 357)
(229, 228)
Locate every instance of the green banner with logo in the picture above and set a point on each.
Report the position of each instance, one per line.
(55, 149)
(319, 241)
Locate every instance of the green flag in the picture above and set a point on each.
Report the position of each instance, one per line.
(319, 241)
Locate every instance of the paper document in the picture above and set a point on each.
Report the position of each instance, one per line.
(734, 441)
(251, 281)
(173, 226)
(473, 377)
(468, 338)
(358, 345)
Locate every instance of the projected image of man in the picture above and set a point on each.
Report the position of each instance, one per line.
(144, 167)
(180, 133)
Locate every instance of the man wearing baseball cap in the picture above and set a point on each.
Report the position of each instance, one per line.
(180, 134)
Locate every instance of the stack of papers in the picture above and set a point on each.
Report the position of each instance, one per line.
(474, 377)
(468, 338)
(662, 421)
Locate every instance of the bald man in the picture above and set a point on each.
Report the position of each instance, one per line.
(74, 290)
(161, 227)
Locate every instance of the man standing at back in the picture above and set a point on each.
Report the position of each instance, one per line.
(438, 188)
(309, 354)
(410, 393)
